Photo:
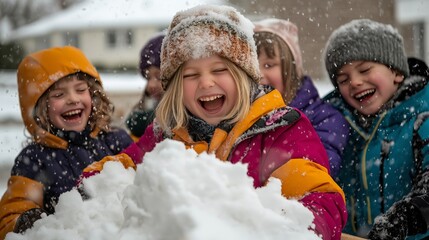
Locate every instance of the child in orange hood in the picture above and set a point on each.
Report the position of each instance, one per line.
(68, 114)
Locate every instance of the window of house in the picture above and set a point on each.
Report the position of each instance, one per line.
(111, 38)
(119, 38)
(129, 38)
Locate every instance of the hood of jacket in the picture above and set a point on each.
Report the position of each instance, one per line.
(39, 71)
(306, 96)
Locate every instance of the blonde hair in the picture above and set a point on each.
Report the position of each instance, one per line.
(172, 114)
(102, 108)
(268, 42)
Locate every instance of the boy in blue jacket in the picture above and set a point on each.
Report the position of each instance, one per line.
(384, 172)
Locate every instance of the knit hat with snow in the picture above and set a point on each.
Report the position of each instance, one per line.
(287, 31)
(150, 55)
(206, 30)
(365, 40)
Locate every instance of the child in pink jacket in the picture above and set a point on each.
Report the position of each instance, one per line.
(213, 103)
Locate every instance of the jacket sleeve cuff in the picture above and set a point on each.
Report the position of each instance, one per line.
(422, 204)
(302, 176)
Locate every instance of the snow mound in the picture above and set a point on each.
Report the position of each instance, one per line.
(175, 194)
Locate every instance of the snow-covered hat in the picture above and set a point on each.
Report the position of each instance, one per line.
(206, 30)
(365, 40)
(287, 31)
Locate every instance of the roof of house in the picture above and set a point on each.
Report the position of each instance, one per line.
(90, 14)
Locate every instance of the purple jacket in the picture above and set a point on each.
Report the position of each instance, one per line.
(279, 143)
(330, 125)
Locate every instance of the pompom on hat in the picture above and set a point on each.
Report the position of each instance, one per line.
(288, 32)
(206, 30)
(365, 40)
(150, 55)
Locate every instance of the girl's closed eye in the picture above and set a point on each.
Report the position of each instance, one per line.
(220, 70)
(82, 89)
(190, 75)
(56, 94)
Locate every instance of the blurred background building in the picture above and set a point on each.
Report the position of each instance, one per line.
(112, 33)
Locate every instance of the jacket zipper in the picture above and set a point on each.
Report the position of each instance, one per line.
(385, 148)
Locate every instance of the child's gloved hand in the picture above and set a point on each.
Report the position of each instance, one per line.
(26, 219)
(401, 220)
(96, 167)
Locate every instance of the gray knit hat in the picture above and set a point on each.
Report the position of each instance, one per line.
(206, 30)
(365, 40)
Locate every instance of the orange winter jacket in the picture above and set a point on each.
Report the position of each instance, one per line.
(50, 154)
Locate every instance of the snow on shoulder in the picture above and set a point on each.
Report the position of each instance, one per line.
(175, 194)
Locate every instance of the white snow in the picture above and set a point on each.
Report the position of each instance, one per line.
(219, 15)
(175, 194)
(355, 27)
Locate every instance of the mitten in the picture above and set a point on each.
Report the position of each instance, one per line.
(96, 167)
(138, 122)
(401, 220)
(26, 219)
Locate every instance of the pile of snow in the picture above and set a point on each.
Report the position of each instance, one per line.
(175, 194)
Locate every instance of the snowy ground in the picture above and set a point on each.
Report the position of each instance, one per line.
(12, 135)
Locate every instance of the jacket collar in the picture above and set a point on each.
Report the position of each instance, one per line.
(222, 142)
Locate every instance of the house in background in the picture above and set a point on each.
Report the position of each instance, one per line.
(414, 13)
(110, 33)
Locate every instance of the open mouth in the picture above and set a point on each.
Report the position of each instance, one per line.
(212, 103)
(72, 115)
(362, 96)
